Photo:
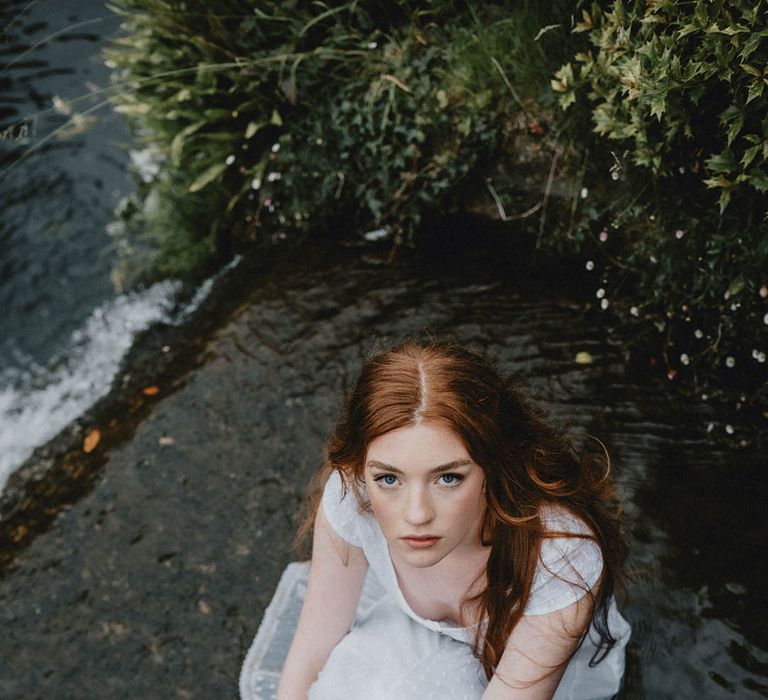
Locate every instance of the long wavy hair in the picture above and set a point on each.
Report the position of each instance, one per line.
(528, 464)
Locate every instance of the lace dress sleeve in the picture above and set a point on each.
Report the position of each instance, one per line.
(342, 510)
(568, 566)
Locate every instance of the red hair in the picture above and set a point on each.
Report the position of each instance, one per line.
(527, 464)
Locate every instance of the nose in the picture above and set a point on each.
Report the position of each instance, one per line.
(418, 507)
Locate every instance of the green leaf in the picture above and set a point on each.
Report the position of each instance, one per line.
(758, 179)
(586, 23)
(733, 119)
(725, 197)
(751, 70)
(749, 155)
(207, 177)
(736, 285)
(217, 114)
(724, 162)
(177, 144)
(253, 128)
(755, 90)
(658, 104)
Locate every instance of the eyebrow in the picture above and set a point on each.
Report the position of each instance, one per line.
(435, 470)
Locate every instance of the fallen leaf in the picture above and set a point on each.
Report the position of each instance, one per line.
(91, 440)
(584, 358)
(117, 628)
(166, 440)
(203, 607)
(20, 533)
(151, 390)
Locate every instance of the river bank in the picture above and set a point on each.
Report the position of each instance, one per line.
(151, 576)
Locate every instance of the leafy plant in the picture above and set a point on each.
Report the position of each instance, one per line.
(318, 115)
(675, 90)
(679, 84)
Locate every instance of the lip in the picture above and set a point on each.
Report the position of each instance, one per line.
(421, 542)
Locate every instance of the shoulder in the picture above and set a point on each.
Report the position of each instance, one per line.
(344, 512)
(570, 564)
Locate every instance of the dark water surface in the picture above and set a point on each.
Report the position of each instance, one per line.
(64, 157)
(153, 584)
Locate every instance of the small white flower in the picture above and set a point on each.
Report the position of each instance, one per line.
(727, 295)
(372, 44)
(760, 357)
(710, 427)
(584, 192)
(230, 159)
(600, 293)
(376, 235)
(275, 147)
(685, 359)
(273, 176)
(652, 217)
(281, 218)
(763, 291)
(704, 397)
(653, 259)
(319, 141)
(754, 354)
(679, 233)
(256, 183)
(730, 361)
(604, 304)
(603, 236)
(634, 310)
(590, 265)
(297, 216)
(765, 319)
(699, 333)
(729, 429)
(614, 174)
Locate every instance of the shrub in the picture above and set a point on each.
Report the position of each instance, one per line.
(675, 92)
(360, 114)
(680, 85)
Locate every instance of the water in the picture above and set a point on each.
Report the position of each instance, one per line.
(694, 512)
(64, 166)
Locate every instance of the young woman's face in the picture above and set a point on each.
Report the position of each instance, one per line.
(427, 494)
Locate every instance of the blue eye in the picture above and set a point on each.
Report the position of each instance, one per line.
(387, 479)
(451, 479)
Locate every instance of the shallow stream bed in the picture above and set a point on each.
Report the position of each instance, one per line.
(152, 583)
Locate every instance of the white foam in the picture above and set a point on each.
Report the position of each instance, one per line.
(37, 403)
(204, 290)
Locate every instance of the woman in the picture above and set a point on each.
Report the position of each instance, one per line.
(495, 546)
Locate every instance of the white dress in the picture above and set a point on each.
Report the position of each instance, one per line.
(391, 653)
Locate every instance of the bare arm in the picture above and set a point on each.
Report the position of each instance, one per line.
(336, 577)
(536, 646)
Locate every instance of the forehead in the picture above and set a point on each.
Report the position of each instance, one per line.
(421, 446)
